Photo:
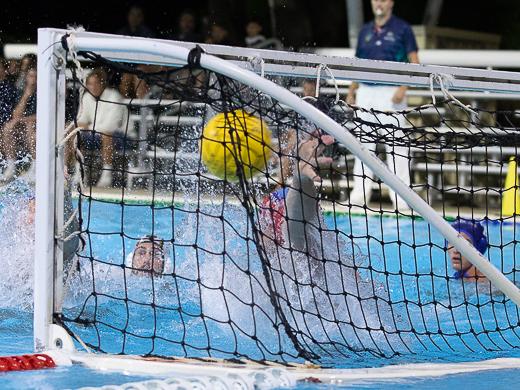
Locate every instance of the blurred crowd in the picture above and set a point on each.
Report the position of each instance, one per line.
(190, 28)
(18, 86)
(17, 115)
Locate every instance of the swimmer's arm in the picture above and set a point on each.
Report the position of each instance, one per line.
(302, 206)
(287, 153)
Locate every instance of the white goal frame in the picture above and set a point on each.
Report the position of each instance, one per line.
(50, 127)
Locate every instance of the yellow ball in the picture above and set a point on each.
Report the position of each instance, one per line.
(233, 137)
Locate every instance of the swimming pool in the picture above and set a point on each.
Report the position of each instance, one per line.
(437, 329)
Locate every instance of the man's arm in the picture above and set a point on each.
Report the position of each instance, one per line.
(302, 205)
(413, 57)
(351, 96)
(287, 153)
(20, 107)
(400, 93)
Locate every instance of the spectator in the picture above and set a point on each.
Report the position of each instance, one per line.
(13, 69)
(386, 38)
(102, 110)
(219, 35)
(21, 127)
(254, 38)
(309, 87)
(136, 26)
(28, 62)
(133, 87)
(8, 97)
(186, 27)
(472, 232)
(8, 94)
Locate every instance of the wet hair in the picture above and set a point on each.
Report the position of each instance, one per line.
(154, 240)
(158, 245)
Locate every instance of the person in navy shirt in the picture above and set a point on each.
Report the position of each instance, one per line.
(386, 38)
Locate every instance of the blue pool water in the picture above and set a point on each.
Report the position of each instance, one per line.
(485, 380)
(425, 271)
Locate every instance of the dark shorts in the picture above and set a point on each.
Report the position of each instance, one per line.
(91, 140)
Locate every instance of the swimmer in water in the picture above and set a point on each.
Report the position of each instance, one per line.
(291, 215)
(149, 256)
(472, 232)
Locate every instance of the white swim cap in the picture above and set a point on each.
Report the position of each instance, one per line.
(165, 248)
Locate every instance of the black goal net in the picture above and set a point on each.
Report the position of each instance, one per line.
(218, 222)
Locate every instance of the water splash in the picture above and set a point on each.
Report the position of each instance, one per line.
(17, 245)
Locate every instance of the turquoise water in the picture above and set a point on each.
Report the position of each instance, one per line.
(210, 299)
(485, 329)
(485, 380)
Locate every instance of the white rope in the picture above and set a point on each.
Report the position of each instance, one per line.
(309, 98)
(79, 156)
(60, 237)
(71, 43)
(445, 81)
(69, 134)
(434, 99)
(76, 337)
(80, 72)
(319, 69)
(77, 173)
(318, 79)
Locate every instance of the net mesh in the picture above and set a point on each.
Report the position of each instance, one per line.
(302, 256)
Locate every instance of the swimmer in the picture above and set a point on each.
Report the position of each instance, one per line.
(472, 232)
(149, 255)
(291, 217)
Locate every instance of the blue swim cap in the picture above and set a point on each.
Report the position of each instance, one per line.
(475, 231)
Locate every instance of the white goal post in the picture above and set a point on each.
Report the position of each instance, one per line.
(50, 126)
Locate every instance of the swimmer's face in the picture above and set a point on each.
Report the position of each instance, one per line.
(382, 8)
(459, 262)
(148, 257)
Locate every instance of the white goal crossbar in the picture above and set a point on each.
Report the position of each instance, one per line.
(50, 82)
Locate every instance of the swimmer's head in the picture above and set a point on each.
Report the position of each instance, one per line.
(149, 255)
(473, 232)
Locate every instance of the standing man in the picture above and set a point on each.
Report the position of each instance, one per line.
(386, 38)
(102, 110)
